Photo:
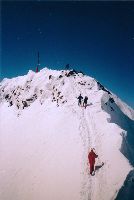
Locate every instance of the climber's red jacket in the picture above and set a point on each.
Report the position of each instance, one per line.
(91, 157)
(37, 69)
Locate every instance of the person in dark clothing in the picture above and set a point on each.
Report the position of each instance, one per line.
(80, 100)
(85, 101)
(67, 67)
(91, 158)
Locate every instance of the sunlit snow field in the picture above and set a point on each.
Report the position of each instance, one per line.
(44, 143)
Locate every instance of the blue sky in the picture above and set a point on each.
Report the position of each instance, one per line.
(94, 37)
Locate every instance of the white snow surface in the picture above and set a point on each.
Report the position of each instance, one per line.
(45, 138)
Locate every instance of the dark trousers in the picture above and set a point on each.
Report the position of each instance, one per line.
(91, 168)
(79, 103)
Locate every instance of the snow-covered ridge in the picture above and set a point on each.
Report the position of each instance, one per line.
(46, 137)
(24, 90)
(47, 85)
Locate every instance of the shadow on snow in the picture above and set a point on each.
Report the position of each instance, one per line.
(127, 191)
(127, 147)
(97, 167)
(125, 123)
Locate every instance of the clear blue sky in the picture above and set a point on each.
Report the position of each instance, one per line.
(94, 37)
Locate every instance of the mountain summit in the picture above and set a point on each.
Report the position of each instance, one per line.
(46, 138)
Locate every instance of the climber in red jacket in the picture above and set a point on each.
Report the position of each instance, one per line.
(91, 158)
(37, 69)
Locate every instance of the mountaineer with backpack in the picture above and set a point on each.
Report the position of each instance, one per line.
(80, 100)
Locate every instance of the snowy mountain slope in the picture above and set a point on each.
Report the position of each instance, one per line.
(46, 137)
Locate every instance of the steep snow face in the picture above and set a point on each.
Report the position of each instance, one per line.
(127, 110)
(46, 138)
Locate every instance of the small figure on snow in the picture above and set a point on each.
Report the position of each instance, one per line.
(67, 67)
(37, 70)
(80, 100)
(91, 158)
(85, 101)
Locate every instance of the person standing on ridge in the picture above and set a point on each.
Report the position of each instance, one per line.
(37, 70)
(85, 101)
(91, 158)
(80, 100)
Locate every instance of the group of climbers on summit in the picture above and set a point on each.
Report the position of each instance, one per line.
(80, 98)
